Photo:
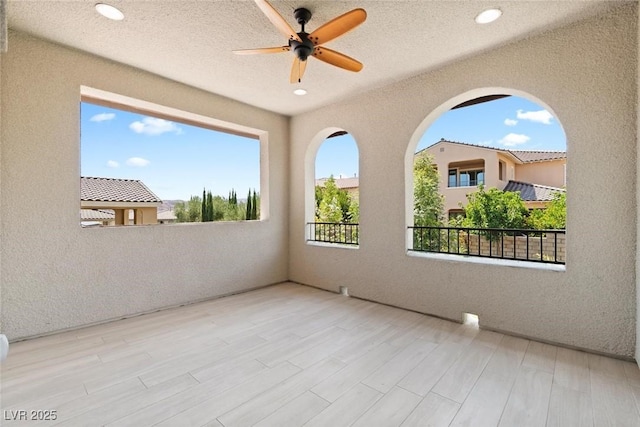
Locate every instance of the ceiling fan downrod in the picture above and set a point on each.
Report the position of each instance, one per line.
(302, 49)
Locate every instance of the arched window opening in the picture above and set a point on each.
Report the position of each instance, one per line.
(489, 180)
(336, 210)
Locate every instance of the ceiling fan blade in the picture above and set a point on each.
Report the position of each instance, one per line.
(338, 26)
(297, 70)
(336, 58)
(277, 20)
(277, 49)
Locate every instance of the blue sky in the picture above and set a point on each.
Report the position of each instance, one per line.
(176, 161)
(512, 123)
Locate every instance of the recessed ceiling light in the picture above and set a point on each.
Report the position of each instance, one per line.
(109, 11)
(300, 92)
(487, 16)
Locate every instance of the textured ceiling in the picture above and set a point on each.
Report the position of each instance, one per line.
(191, 41)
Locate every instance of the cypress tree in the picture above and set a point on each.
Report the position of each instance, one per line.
(209, 206)
(254, 206)
(203, 210)
(248, 216)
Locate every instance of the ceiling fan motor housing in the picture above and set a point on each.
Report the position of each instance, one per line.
(302, 49)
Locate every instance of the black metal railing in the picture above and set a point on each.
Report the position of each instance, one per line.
(333, 232)
(546, 246)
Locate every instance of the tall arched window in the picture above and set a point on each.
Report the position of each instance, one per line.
(334, 214)
(489, 180)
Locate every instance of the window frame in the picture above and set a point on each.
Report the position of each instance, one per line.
(458, 175)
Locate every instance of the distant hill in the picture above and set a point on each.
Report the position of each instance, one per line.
(167, 205)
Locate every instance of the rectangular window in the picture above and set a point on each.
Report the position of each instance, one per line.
(139, 167)
(455, 214)
(453, 177)
(471, 178)
(501, 166)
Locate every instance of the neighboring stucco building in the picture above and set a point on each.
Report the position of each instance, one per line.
(96, 217)
(350, 185)
(167, 217)
(121, 196)
(537, 175)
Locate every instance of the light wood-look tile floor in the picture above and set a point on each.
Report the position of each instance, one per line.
(290, 355)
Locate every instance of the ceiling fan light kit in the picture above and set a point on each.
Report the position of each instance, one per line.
(305, 45)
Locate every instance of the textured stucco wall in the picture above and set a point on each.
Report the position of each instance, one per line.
(56, 275)
(586, 74)
(542, 173)
(1, 234)
(637, 213)
(446, 154)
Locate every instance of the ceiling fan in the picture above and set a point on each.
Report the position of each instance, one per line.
(304, 44)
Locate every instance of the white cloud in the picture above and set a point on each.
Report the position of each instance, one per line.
(137, 162)
(113, 164)
(153, 126)
(542, 116)
(102, 117)
(510, 122)
(513, 139)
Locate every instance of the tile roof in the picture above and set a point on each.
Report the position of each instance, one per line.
(96, 215)
(525, 156)
(342, 183)
(115, 190)
(538, 156)
(533, 192)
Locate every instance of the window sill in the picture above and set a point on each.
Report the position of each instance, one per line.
(489, 261)
(332, 245)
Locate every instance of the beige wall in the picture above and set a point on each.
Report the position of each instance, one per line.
(446, 153)
(590, 305)
(52, 276)
(637, 199)
(542, 173)
(1, 215)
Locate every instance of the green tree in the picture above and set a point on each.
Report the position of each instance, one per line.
(249, 208)
(494, 209)
(203, 208)
(428, 203)
(319, 194)
(553, 217)
(254, 206)
(337, 206)
(210, 211)
(189, 211)
(219, 207)
(330, 209)
(354, 210)
(348, 205)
